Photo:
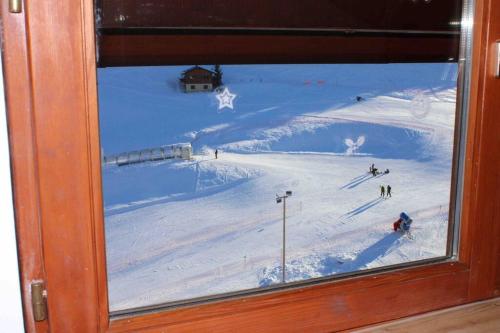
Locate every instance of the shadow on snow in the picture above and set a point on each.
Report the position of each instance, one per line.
(363, 207)
(314, 267)
(360, 180)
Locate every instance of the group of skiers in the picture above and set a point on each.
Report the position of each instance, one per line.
(384, 193)
(404, 221)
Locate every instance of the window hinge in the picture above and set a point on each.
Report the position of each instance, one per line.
(38, 301)
(15, 6)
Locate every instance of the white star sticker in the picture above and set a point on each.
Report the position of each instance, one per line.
(225, 99)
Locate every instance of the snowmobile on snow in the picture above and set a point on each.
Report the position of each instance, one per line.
(403, 223)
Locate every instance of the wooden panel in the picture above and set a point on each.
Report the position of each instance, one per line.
(487, 190)
(325, 308)
(282, 14)
(20, 122)
(473, 318)
(161, 49)
(63, 88)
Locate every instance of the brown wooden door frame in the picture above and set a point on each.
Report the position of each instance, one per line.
(18, 96)
(50, 75)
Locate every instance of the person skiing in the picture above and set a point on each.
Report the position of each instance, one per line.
(403, 223)
(389, 188)
(382, 191)
(216, 153)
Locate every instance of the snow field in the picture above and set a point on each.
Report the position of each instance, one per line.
(184, 229)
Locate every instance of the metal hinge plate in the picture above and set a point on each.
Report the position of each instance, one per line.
(38, 301)
(15, 6)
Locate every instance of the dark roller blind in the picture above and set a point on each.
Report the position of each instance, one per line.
(155, 32)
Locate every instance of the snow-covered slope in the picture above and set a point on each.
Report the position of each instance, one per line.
(182, 229)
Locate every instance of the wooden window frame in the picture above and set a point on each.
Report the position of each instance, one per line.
(51, 95)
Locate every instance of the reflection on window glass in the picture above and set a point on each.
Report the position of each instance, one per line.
(204, 166)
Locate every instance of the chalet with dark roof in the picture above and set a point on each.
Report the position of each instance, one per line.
(198, 79)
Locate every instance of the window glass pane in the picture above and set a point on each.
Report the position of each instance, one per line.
(210, 171)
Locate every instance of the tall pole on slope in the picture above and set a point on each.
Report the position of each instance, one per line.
(280, 199)
(284, 241)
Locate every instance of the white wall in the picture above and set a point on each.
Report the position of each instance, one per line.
(11, 316)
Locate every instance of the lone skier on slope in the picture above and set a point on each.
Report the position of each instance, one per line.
(216, 153)
(382, 191)
(403, 223)
(389, 188)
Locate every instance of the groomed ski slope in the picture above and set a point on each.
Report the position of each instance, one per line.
(182, 229)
